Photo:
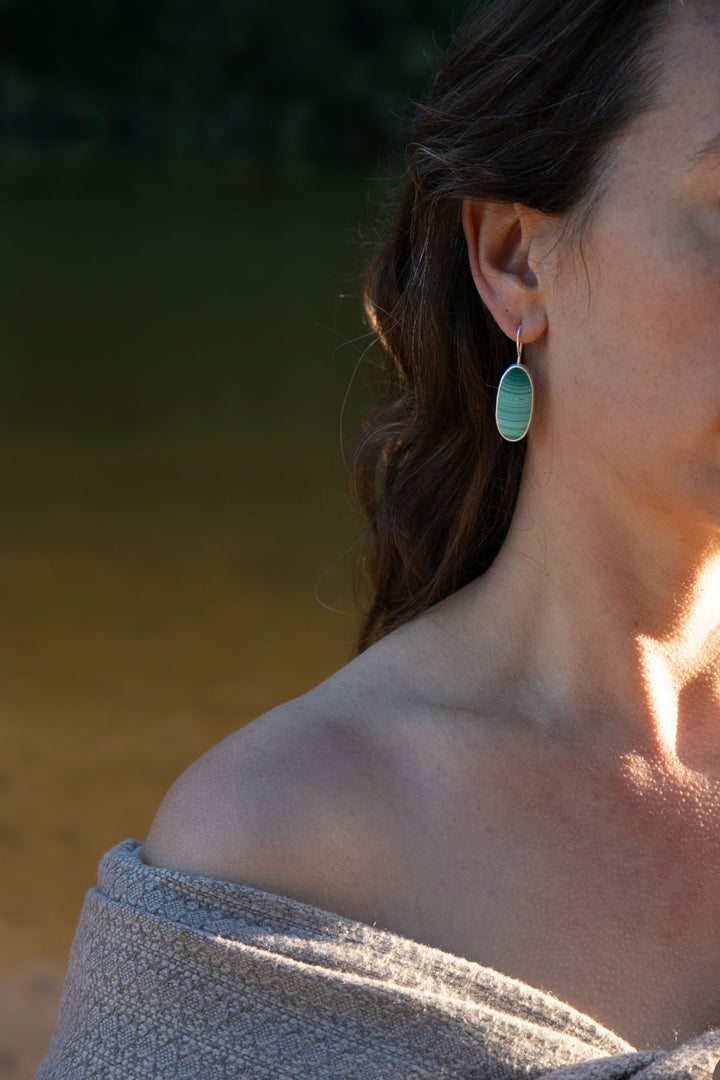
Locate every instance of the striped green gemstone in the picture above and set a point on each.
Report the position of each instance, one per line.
(514, 403)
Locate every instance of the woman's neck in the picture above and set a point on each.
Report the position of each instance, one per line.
(586, 615)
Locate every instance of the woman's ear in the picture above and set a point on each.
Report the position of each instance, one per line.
(501, 239)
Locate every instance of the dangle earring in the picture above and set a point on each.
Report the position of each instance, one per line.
(514, 402)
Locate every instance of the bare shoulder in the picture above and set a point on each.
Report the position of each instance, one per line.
(377, 795)
(297, 802)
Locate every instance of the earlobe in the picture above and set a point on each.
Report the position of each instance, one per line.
(499, 239)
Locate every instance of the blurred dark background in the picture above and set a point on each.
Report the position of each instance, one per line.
(294, 87)
(188, 196)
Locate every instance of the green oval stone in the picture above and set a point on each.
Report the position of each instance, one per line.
(514, 404)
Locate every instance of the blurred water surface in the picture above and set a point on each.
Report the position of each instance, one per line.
(173, 501)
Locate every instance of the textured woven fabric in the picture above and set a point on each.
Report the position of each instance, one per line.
(177, 976)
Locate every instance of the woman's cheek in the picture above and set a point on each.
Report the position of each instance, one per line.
(702, 227)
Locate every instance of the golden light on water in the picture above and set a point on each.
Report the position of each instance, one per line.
(173, 497)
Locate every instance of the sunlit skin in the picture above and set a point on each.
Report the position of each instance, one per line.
(529, 774)
(687, 655)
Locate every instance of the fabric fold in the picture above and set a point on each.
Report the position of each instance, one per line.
(173, 975)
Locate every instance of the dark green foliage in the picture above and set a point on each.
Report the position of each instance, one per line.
(300, 83)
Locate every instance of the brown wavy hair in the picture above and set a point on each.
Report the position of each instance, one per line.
(523, 111)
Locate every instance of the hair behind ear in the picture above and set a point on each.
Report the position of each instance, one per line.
(431, 456)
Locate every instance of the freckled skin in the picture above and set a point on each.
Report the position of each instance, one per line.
(528, 775)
